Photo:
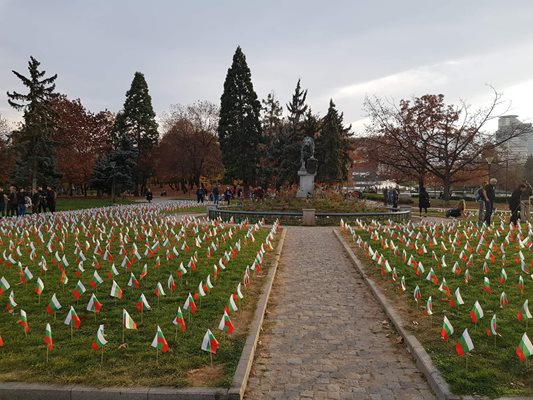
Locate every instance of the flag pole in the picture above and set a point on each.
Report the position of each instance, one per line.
(156, 356)
(123, 330)
(71, 330)
(142, 308)
(102, 357)
(211, 357)
(46, 354)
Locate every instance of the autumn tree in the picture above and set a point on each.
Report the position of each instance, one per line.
(189, 148)
(83, 137)
(239, 128)
(136, 121)
(427, 136)
(32, 143)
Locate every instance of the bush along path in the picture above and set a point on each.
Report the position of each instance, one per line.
(324, 335)
(467, 288)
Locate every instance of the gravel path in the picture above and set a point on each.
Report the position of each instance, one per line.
(325, 337)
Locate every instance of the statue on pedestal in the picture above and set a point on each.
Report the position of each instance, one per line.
(308, 168)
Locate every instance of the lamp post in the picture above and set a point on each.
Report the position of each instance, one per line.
(113, 164)
(489, 161)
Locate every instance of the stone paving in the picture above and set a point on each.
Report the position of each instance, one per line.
(324, 336)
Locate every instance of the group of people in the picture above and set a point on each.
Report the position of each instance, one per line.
(215, 196)
(391, 196)
(18, 202)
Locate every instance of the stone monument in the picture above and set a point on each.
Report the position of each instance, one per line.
(308, 169)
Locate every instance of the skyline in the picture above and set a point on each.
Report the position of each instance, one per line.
(344, 53)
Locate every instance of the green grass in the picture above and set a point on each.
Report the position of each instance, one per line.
(493, 367)
(73, 360)
(188, 210)
(65, 204)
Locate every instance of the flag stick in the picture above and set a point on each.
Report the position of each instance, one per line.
(95, 317)
(142, 308)
(211, 357)
(102, 357)
(47, 354)
(122, 330)
(55, 315)
(157, 356)
(157, 301)
(39, 301)
(115, 301)
(176, 338)
(71, 330)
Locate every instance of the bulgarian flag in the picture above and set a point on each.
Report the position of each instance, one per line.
(96, 280)
(443, 288)
(178, 320)
(100, 340)
(476, 313)
(39, 287)
(416, 294)
(23, 321)
(72, 319)
(208, 282)
(27, 275)
(521, 284)
(133, 281)
(12, 303)
(457, 298)
(144, 272)
(225, 323)
(467, 276)
(4, 285)
(231, 307)
(190, 304)
(524, 313)
(447, 329)
(159, 290)
(142, 303)
(181, 270)
(94, 304)
(48, 337)
(159, 341)
(201, 290)
(129, 323)
(524, 349)
(239, 293)
(402, 284)
(210, 343)
(503, 300)
(432, 277)
(54, 305)
(78, 290)
(492, 331)
(503, 276)
(116, 291)
(429, 307)
(486, 285)
(464, 345)
(170, 283)
(112, 272)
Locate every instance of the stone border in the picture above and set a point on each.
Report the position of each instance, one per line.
(422, 358)
(36, 391)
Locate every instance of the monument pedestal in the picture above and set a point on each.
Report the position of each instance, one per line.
(307, 184)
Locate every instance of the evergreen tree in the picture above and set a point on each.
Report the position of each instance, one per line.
(137, 122)
(292, 136)
(332, 147)
(32, 143)
(272, 123)
(528, 169)
(239, 128)
(118, 165)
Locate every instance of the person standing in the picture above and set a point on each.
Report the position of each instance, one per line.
(50, 199)
(3, 199)
(423, 201)
(524, 201)
(227, 195)
(216, 194)
(489, 198)
(480, 198)
(12, 210)
(514, 203)
(200, 194)
(149, 195)
(35, 201)
(21, 203)
(42, 199)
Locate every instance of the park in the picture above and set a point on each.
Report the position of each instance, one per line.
(244, 202)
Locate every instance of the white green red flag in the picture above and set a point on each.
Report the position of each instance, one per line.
(486, 285)
(429, 307)
(72, 319)
(492, 330)
(133, 281)
(503, 276)
(128, 322)
(525, 348)
(503, 300)
(476, 313)
(209, 343)
(158, 291)
(54, 305)
(416, 294)
(78, 290)
(447, 329)
(521, 284)
(464, 345)
(100, 340)
(48, 337)
(4, 285)
(27, 275)
(23, 321)
(190, 305)
(457, 298)
(94, 304)
(142, 303)
(231, 307)
(524, 312)
(12, 303)
(402, 284)
(96, 279)
(225, 323)
(144, 272)
(181, 270)
(171, 284)
(39, 287)
(159, 341)
(178, 320)
(112, 272)
(116, 291)
(239, 293)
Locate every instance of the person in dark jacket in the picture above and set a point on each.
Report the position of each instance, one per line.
(149, 195)
(42, 199)
(3, 201)
(490, 197)
(12, 209)
(514, 203)
(35, 201)
(423, 200)
(228, 195)
(21, 202)
(50, 199)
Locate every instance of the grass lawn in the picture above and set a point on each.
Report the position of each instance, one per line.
(66, 203)
(493, 366)
(188, 210)
(131, 362)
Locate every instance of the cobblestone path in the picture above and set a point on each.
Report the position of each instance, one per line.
(325, 337)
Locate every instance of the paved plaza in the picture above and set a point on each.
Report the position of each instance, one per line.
(325, 337)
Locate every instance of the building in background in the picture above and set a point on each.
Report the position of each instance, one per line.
(517, 149)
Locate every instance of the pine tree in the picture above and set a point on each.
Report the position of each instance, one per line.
(137, 122)
(32, 142)
(272, 123)
(239, 128)
(332, 147)
(292, 137)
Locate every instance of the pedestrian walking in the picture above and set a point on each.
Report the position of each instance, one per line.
(514, 203)
(524, 202)
(480, 198)
(423, 201)
(490, 197)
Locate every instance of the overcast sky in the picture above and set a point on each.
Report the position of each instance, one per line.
(340, 49)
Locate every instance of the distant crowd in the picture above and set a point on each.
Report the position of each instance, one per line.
(20, 202)
(216, 195)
